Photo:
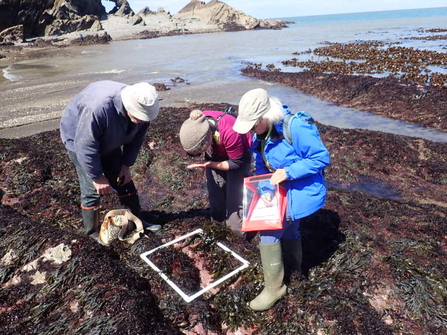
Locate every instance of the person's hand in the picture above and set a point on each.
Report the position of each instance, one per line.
(102, 185)
(267, 199)
(125, 172)
(278, 177)
(199, 165)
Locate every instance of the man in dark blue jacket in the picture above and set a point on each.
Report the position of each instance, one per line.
(103, 128)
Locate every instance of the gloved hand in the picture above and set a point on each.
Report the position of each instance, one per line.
(124, 177)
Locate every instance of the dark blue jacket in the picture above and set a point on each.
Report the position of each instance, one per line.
(94, 123)
(303, 161)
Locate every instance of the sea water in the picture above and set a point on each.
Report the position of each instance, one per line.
(211, 65)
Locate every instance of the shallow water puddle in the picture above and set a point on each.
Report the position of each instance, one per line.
(368, 185)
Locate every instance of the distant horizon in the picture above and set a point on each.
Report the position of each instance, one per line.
(348, 13)
(313, 15)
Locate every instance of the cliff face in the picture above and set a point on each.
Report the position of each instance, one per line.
(36, 15)
(54, 17)
(22, 19)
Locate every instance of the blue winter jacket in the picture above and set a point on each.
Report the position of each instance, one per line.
(94, 124)
(303, 161)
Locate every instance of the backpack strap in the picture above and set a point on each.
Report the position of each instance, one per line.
(219, 117)
(229, 110)
(216, 134)
(286, 128)
(287, 123)
(267, 164)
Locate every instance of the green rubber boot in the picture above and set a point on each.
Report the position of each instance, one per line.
(292, 252)
(274, 288)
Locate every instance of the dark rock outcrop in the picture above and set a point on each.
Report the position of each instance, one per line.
(92, 39)
(36, 16)
(60, 27)
(121, 8)
(59, 17)
(12, 35)
(55, 17)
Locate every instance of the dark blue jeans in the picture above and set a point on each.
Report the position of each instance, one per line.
(290, 232)
(111, 165)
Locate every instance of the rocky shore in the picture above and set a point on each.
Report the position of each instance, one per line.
(73, 23)
(374, 256)
(390, 97)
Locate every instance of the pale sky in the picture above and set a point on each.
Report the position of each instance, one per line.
(262, 9)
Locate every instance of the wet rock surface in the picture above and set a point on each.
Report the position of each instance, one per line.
(374, 257)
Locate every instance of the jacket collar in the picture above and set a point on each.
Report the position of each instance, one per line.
(121, 111)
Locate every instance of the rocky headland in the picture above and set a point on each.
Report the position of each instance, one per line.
(73, 22)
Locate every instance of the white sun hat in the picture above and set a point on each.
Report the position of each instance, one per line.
(252, 106)
(141, 101)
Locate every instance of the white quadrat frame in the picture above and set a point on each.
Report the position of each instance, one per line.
(189, 298)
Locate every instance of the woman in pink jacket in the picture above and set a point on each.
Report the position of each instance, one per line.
(227, 161)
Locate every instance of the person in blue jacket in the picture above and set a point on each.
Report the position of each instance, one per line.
(103, 128)
(297, 164)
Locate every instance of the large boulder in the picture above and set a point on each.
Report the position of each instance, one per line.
(136, 20)
(122, 8)
(60, 27)
(145, 11)
(12, 35)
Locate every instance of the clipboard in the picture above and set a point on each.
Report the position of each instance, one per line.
(259, 215)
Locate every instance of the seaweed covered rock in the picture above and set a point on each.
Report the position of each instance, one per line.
(374, 257)
(56, 282)
(390, 97)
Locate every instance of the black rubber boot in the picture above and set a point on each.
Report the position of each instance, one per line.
(90, 217)
(132, 202)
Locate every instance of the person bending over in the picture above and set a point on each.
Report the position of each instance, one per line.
(103, 128)
(227, 161)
